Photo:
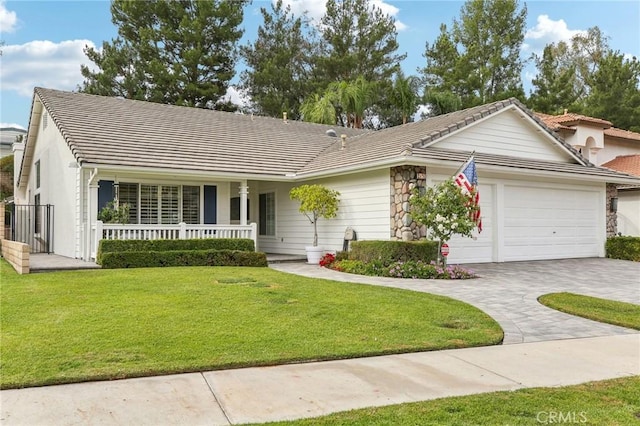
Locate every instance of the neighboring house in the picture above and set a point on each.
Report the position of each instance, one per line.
(540, 198)
(610, 147)
(8, 136)
(628, 196)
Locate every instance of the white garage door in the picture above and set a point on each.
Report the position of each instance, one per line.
(549, 223)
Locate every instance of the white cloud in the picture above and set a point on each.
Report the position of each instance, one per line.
(316, 9)
(547, 31)
(237, 96)
(13, 125)
(43, 63)
(8, 19)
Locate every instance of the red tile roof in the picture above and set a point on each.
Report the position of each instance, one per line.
(568, 120)
(625, 163)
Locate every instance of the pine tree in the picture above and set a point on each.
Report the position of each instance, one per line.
(478, 60)
(279, 63)
(359, 40)
(175, 52)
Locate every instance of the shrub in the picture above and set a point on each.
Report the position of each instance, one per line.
(409, 269)
(154, 259)
(625, 248)
(388, 252)
(107, 246)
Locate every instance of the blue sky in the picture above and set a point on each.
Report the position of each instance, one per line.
(44, 39)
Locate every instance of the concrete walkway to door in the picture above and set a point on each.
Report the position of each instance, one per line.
(508, 292)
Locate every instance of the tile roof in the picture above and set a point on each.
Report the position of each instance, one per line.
(121, 132)
(625, 163)
(566, 122)
(106, 131)
(413, 137)
(569, 119)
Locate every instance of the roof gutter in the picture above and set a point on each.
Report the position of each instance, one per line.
(191, 173)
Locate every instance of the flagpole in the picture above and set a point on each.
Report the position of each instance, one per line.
(465, 164)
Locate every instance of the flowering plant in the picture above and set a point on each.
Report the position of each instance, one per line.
(445, 210)
(327, 260)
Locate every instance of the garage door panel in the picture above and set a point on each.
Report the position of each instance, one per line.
(550, 223)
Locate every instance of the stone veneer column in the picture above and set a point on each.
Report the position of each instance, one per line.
(612, 217)
(403, 180)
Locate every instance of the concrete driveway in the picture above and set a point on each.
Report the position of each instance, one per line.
(509, 292)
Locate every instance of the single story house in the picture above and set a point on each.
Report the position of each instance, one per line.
(607, 146)
(188, 172)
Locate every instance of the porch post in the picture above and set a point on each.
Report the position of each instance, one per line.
(92, 205)
(244, 192)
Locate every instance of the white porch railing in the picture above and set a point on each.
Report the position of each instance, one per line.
(110, 231)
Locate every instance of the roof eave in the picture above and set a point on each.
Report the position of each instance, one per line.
(229, 176)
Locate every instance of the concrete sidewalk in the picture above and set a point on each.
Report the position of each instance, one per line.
(313, 389)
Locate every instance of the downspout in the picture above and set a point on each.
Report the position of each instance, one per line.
(90, 219)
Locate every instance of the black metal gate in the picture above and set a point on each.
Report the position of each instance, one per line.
(33, 224)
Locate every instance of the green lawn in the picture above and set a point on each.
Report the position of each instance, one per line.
(610, 402)
(594, 308)
(74, 326)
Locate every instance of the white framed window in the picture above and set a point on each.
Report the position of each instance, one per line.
(161, 204)
(267, 214)
(169, 205)
(149, 204)
(37, 174)
(191, 204)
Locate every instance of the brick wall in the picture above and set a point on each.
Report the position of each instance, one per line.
(17, 254)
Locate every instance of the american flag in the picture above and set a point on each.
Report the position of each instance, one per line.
(467, 179)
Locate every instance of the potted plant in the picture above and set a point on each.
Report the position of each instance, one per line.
(316, 201)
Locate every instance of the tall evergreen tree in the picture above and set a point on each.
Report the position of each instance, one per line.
(279, 62)
(555, 87)
(615, 91)
(359, 40)
(478, 60)
(177, 52)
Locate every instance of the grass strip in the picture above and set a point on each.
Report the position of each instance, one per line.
(609, 402)
(594, 308)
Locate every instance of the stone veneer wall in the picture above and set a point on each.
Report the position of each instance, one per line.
(403, 180)
(612, 217)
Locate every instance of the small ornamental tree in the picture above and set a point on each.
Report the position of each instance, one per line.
(112, 213)
(316, 201)
(445, 210)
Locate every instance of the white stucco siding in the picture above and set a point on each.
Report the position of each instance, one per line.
(507, 133)
(629, 212)
(364, 206)
(58, 186)
(616, 148)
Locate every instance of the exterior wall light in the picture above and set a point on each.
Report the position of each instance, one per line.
(613, 205)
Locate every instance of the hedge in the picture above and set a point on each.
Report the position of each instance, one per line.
(154, 259)
(625, 248)
(388, 252)
(118, 246)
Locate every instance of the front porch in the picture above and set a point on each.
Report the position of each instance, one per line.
(110, 231)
